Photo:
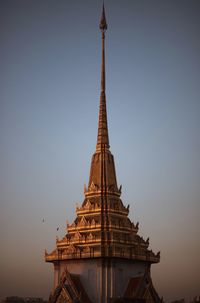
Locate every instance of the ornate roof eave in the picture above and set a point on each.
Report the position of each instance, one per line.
(147, 256)
(54, 259)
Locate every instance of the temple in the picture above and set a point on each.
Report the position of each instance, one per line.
(102, 258)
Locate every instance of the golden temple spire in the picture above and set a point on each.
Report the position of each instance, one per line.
(102, 137)
(102, 171)
(101, 229)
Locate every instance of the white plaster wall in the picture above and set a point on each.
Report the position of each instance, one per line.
(89, 271)
(123, 271)
(116, 276)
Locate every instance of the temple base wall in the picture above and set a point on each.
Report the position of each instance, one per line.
(102, 278)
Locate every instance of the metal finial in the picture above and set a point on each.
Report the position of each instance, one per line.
(103, 24)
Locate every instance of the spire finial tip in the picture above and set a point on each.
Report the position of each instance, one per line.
(103, 24)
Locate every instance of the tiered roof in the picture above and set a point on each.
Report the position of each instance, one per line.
(102, 227)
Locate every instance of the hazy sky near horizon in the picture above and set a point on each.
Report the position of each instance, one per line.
(50, 56)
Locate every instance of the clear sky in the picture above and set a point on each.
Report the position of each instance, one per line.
(50, 55)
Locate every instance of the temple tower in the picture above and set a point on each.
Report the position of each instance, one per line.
(102, 258)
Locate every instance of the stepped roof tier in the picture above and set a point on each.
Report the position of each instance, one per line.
(102, 227)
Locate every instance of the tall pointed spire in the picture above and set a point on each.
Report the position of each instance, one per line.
(102, 137)
(102, 172)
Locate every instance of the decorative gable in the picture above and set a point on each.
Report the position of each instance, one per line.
(83, 222)
(71, 249)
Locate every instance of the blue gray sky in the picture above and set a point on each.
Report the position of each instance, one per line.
(50, 56)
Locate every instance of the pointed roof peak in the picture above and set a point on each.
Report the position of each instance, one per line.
(103, 24)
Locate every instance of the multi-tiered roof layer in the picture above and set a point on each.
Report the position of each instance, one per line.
(102, 227)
